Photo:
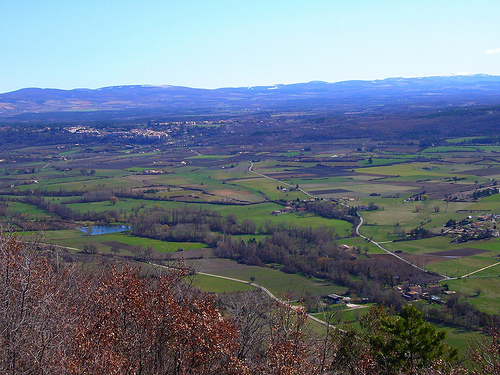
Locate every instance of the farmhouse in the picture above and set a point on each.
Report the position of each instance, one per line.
(334, 298)
(411, 296)
(417, 289)
(153, 171)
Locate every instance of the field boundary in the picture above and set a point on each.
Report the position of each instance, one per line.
(481, 269)
(357, 228)
(276, 180)
(391, 253)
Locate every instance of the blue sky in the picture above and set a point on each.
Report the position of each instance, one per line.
(86, 43)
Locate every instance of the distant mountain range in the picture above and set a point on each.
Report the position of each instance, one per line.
(32, 104)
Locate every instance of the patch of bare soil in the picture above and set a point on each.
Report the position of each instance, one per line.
(418, 259)
(329, 191)
(316, 171)
(215, 264)
(458, 160)
(422, 260)
(192, 254)
(120, 245)
(463, 252)
(434, 190)
(482, 171)
(284, 176)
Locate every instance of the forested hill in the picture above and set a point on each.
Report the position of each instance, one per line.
(142, 101)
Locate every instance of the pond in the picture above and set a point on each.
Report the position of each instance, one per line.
(104, 229)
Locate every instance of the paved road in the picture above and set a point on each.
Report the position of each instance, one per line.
(390, 252)
(265, 290)
(357, 228)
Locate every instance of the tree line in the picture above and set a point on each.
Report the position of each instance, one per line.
(313, 252)
(62, 319)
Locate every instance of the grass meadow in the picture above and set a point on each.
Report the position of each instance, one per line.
(203, 177)
(217, 285)
(281, 284)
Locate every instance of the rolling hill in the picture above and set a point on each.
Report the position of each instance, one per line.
(139, 101)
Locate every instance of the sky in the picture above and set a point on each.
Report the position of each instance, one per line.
(70, 44)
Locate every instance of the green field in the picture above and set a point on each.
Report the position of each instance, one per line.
(460, 338)
(281, 284)
(28, 210)
(75, 239)
(219, 179)
(489, 297)
(217, 285)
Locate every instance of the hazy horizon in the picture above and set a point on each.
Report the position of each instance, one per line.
(215, 44)
(236, 87)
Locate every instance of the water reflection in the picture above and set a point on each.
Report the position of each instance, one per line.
(103, 229)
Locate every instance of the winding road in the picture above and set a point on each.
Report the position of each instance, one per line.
(271, 295)
(250, 169)
(390, 252)
(265, 290)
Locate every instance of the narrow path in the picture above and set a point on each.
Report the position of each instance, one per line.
(265, 290)
(482, 269)
(270, 295)
(357, 228)
(390, 252)
(53, 245)
(276, 180)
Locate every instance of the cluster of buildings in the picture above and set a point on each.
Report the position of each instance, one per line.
(144, 133)
(347, 199)
(287, 210)
(486, 217)
(467, 229)
(416, 292)
(430, 293)
(190, 123)
(153, 171)
(148, 133)
(81, 129)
